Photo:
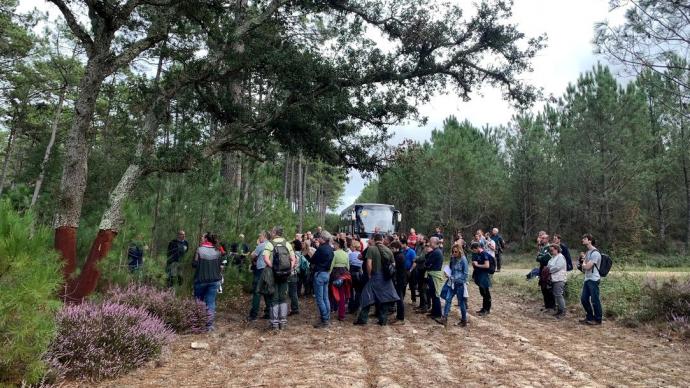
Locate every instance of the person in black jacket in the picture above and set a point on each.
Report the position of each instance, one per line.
(177, 248)
(564, 251)
(207, 276)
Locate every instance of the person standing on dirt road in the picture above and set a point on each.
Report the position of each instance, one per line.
(379, 289)
(500, 246)
(279, 306)
(590, 262)
(558, 270)
(435, 277)
(481, 263)
(322, 259)
(455, 287)
(420, 284)
(207, 276)
(258, 266)
(543, 258)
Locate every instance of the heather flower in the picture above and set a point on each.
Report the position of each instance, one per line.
(98, 341)
(183, 315)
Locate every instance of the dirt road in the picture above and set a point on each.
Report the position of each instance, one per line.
(515, 346)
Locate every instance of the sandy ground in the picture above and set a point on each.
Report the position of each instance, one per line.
(516, 345)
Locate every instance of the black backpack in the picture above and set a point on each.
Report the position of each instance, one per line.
(492, 264)
(282, 265)
(605, 264)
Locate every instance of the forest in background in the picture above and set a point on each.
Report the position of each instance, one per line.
(606, 158)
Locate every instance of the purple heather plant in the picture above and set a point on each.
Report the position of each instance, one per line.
(95, 341)
(183, 315)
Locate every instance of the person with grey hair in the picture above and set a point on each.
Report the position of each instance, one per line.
(500, 246)
(322, 259)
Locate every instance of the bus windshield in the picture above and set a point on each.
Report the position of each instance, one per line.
(368, 218)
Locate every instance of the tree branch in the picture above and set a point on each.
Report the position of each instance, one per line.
(257, 21)
(76, 28)
(136, 48)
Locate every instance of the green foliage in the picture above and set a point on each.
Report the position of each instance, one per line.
(457, 180)
(29, 280)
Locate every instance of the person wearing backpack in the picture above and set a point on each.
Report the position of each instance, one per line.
(482, 263)
(591, 261)
(379, 289)
(322, 260)
(279, 257)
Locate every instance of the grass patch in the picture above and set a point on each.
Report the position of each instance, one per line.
(630, 298)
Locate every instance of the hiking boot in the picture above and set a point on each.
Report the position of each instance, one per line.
(483, 313)
(584, 321)
(480, 312)
(321, 325)
(398, 322)
(594, 323)
(442, 321)
(559, 315)
(462, 323)
(359, 323)
(282, 326)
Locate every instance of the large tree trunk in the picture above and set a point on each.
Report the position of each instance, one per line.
(8, 154)
(49, 147)
(111, 221)
(113, 218)
(74, 172)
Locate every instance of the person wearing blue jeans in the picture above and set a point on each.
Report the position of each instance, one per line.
(589, 264)
(459, 272)
(206, 292)
(322, 259)
(208, 274)
(591, 302)
(459, 291)
(321, 295)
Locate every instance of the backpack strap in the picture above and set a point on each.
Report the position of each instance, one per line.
(595, 266)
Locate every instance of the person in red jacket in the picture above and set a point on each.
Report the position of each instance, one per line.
(412, 238)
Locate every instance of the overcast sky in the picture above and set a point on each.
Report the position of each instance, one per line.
(569, 26)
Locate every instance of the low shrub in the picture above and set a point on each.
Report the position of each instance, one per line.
(30, 276)
(668, 300)
(182, 315)
(95, 341)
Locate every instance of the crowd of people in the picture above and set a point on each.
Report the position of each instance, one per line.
(347, 274)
